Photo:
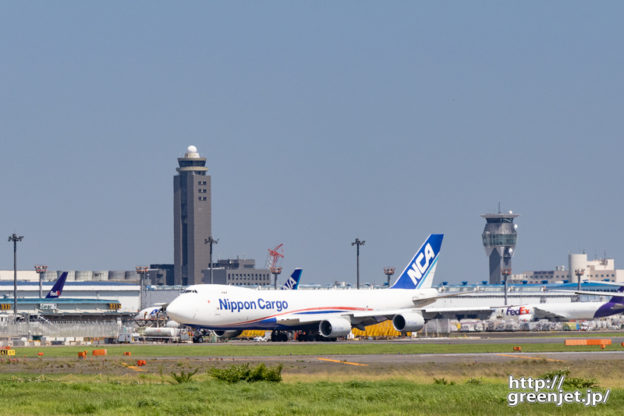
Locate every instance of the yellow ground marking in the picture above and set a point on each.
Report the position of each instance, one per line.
(342, 362)
(530, 358)
(132, 367)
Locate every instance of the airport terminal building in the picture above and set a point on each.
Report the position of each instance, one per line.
(77, 297)
(599, 270)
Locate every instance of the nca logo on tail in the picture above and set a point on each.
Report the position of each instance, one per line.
(420, 264)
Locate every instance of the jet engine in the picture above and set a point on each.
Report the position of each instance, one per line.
(335, 327)
(409, 321)
(228, 334)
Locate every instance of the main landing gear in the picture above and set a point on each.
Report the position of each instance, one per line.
(305, 335)
(279, 336)
(311, 336)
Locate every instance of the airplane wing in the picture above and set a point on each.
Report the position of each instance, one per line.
(539, 312)
(619, 284)
(357, 318)
(587, 292)
(424, 300)
(363, 318)
(473, 312)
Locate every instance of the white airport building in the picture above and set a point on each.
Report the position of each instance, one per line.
(73, 275)
(117, 296)
(599, 270)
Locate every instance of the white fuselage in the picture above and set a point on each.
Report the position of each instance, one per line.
(231, 307)
(557, 311)
(571, 310)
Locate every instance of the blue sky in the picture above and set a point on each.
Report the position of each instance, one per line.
(320, 122)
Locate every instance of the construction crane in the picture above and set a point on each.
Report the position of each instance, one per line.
(273, 259)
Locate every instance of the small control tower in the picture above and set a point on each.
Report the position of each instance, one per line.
(499, 241)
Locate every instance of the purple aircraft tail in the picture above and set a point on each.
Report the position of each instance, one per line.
(57, 289)
(618, 299)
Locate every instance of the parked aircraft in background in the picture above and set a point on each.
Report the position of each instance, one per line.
(57, 289)
(553, 311)
(566, 311)
(54, 293)
(151, 313)
(586, 310)
(292, 283)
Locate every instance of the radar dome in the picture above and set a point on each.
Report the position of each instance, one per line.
(191, 152)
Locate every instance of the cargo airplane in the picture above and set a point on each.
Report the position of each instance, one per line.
(320, 314)
(552, 311)
(566, 311)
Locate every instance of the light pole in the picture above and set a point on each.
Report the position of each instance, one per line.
(141, 271)
(579, 273)
(506, 274)
(358, 243)
(15, 238)
(389, 271)
(211, 241)
(41, 269)
(276, 272)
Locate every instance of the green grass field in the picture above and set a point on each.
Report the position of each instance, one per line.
(154, 395)
(264, 349)
(58, 383)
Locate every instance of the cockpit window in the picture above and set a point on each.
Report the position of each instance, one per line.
(190, 291)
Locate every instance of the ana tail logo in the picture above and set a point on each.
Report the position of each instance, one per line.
(420, 270)
(293, 281)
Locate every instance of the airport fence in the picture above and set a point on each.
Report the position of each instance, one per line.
(60, 329)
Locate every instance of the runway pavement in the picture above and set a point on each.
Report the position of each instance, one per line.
(407, 359)
(488, 339)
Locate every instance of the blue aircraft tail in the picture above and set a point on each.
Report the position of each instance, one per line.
(293, 281)
(419, 272)
(57, 289)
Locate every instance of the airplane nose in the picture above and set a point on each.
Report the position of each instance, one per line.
(175, 311)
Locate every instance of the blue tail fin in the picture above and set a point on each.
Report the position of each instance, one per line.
(618, 299)
(418, 273)
(293, 281)
(57, 289)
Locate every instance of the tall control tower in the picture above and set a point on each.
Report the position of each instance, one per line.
(192, 218)
(499, 240)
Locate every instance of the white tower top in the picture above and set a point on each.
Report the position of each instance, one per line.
(191, 152)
